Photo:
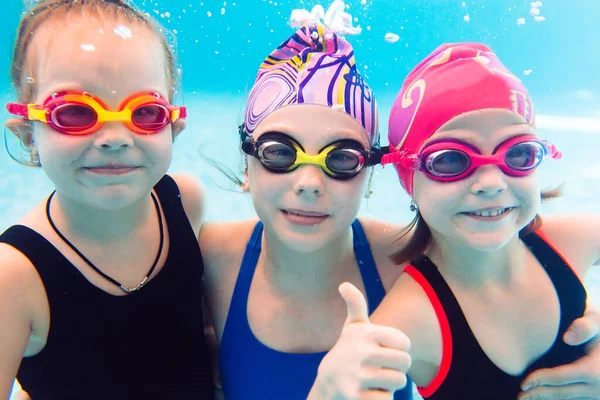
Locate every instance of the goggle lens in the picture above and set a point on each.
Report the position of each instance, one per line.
(525, 156)
(446, 163)
(276, 155)
(344, 160)
(150, 117)
(74, 117)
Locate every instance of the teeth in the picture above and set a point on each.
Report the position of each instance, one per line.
(491, 213)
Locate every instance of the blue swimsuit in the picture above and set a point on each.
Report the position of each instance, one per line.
(249, 369)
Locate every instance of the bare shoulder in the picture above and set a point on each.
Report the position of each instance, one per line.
(408, 308)
(16, 274)
(192, 198)
(220, 241)
(385, 239)
(576, 237)
(223, 246)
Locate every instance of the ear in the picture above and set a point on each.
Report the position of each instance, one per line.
(21, 128)
(246, 184)
(177, 127)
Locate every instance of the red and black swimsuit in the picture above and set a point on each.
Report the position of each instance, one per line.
(466, 372)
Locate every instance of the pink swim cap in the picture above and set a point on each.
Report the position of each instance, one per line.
(454, 79)
(313, 66)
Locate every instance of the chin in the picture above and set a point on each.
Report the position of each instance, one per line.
(304, 240)
(306, 243)
(116, 197)
(489, 241)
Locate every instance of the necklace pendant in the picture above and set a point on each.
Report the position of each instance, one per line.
(135, 288)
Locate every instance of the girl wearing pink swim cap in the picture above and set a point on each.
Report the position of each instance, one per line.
(489, 292)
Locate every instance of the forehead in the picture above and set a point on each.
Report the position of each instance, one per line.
(109, 57)
(313, 125)
(483, 127)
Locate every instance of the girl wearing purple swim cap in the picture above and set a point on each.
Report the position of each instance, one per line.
(309, 137)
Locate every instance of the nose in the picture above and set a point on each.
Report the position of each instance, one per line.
(488, 180)
(113, 136)
(309, 180)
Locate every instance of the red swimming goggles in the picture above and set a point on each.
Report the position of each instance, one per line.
(448, 160)
(80, 113)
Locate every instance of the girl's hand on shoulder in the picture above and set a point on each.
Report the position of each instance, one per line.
(579, 380)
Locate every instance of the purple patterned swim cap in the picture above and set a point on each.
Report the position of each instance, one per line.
(313, 66)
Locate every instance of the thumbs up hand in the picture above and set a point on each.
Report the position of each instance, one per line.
(367, 362)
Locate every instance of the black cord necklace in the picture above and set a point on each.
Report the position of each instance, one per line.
(84, 258)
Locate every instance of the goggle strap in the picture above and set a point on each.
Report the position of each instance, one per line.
(554, 152)
(18, 109)
(248, 147)
(399, 158)
(375, 155)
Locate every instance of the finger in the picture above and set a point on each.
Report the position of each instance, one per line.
(356, 303)
(376, 394)
(392, 338)
(382, 378)
(583, 329)
(578, 391)
(563, 375)
(391, 359)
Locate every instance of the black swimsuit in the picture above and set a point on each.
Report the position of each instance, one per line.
(146, 345)
(466, 372)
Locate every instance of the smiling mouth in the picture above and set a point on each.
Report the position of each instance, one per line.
(490, 213)
(111, 169)
(305, 214)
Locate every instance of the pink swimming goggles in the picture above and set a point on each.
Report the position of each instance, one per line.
(449, 160)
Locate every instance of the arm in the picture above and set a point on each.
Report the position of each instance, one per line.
(222, 246)
(193, 199)
(577, 239)
(15, 306)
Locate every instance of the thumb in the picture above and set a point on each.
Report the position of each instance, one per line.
(356, 303)
(583, 330)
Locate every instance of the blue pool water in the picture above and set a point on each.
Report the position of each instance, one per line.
(221, 44)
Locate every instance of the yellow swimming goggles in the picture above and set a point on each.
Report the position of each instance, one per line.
(80, 113)
(278, 152)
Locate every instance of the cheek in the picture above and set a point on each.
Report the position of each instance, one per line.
(438, 195)
(528, 191)
(161, 146)
(54, 146)
(438, 202)
(263, 184)
(347, 195)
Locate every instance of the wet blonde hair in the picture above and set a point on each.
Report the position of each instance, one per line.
(46, 10)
